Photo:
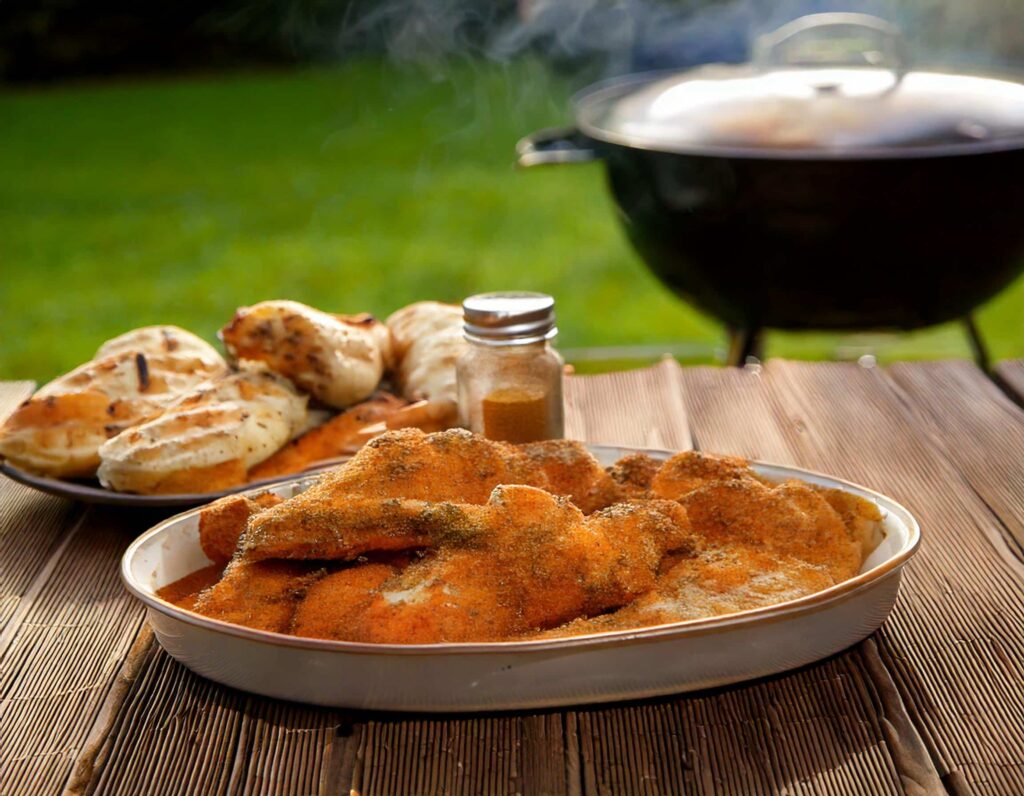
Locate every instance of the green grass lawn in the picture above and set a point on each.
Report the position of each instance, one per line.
(359, 188)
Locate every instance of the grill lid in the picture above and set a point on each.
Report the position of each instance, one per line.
(827, 83)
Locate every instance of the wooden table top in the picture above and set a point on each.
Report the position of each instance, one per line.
(932, 703)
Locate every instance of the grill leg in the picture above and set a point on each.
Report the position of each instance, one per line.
(978, 348)
(743, 343)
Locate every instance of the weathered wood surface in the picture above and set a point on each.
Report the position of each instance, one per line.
(1011, 375)
(932, 703)
(31, 524)
(978, 428)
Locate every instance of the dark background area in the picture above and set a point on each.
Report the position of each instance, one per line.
(48, 40)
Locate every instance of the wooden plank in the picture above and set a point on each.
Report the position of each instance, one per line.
(63, 654)
(955, 641)
(32, 526)
(640, 408)
(504, 753)
(823, 729)
(1011, 375)
(979, 429)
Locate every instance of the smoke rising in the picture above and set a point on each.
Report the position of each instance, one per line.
(610, 37)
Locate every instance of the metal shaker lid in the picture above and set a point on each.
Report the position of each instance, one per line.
(509, 318)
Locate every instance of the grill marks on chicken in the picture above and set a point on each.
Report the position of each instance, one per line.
(339, 359)
(452, 538)
(133, 378)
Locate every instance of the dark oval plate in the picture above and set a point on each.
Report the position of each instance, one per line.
(92, 492)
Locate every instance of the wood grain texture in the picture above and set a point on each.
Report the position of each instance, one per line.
(1011, 375)
(32, 526)
(63, 654)
(980, 430)
(955, 642)
(641, 408)
(505, 753)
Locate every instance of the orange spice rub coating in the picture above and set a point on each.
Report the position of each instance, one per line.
(787, 519)
(717, 581)
(373, 501)
(570, 469)
(222, 523)
(261, 594)
(687, 471)
(520, 561)
(184, 591)
(524, 561)
(632, 476)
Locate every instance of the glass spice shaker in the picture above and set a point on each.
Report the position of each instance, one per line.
(510, 378)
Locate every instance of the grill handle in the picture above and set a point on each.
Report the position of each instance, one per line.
(553, 146)
(834, 39)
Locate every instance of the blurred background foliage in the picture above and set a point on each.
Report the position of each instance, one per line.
(168, 162)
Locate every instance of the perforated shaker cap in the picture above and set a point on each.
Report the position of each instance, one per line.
(509, 318)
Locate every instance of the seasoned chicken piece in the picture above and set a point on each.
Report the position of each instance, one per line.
(427, 416)
(449, 465)
(261, 595)
(717, 581)
(690, 470)
(786, 519)
(727, 580)
(346, 530)
(222, 522)
(402, 467)
(208, 439)
(571, 470)
(428, 342)
(338, 359)
(686, 472)
(525, 560)
(58, 432)
(346, 593)
(159, 340)
(862, 518)
(631, 478)
(334, 438)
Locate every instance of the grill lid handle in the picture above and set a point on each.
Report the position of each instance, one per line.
(835, 39)
(554, 146)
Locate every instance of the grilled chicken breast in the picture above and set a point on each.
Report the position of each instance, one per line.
(59, 430)
(208, 439)
(428, 341)
(157, 340)
(338, 359)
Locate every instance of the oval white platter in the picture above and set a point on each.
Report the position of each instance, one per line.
(635, 664)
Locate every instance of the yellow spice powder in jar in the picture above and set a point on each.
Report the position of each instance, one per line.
(516, 415)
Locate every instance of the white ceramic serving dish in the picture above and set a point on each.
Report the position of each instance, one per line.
(646, 662)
